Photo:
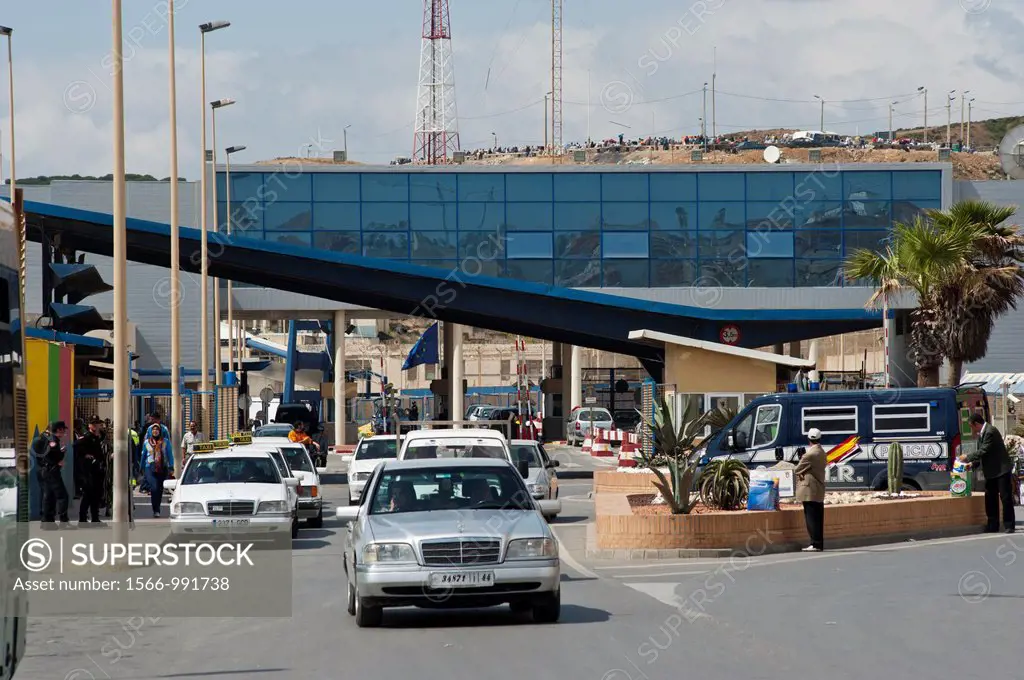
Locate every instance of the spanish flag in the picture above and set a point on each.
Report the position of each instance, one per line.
(844, 450)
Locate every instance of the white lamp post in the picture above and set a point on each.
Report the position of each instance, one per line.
(217, 358)
(177, 412)
(231, 326)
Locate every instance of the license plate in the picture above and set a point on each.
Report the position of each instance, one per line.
(462, 579)
(230, 522)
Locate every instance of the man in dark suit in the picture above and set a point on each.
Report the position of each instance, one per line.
(996, 466)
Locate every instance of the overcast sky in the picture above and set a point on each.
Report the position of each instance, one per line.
(303, 70)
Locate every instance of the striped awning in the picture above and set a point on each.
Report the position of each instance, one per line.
(994, 381)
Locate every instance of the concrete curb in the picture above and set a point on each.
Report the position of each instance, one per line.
(595, 553)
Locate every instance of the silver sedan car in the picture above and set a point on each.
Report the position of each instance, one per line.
(449, 533)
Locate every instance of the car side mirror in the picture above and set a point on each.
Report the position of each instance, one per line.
(170, 484)
(291, 482)
(524, 469)
(555, 463)
(347, 513)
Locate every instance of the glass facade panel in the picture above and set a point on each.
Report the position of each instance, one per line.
(248, 222)
(340, 242)
(770, 274)
(286, 186)
(584, 245)
(530, 216)
(578, 187)
(433, 216)
(577, 216)
(867, 215)
(867, 186)
(624, 245)
(244, 186)
(769, 186)
(673, 186)
(818, 273)
(673, 216)
(482, 217)
(290, 238)
(673, 244)
(871, 240)
(385, 186)
(721, 216)
(820, 215)
(481, 245)
(394, 246)
(721, 244)
(433, 245)
(774, 215)
(444, 265)
(723, 272)
(386, 216)
(818, 186)
(336, 217)
(288, 217)
(537, 271)
(769, 244)
(917, 184)
(528, 187)
(528, 245)
(819, 243)
(482, 187)
(673, 273)
(625, 187)
(721, 186)
(335, 186)
(432, 187)
(907, 211)
(578, 273)
(623, 216)
(627, 273)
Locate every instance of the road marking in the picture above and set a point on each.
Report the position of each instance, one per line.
(565, 556)
(666, 594)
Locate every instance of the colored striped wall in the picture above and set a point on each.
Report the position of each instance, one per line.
(49, 371)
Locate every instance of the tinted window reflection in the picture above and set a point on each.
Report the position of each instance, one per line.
(622, 186)
(623, 216)
(386, 216)
(529, 217)
(819, 243)
(578, 273)
(722, 244)
(386, 245)
(481, 245)
(482, 217)
(528, 187)
(820, 215)
(770, 274)
(481, 186)
(429, 186)
(337, 242)
(870, 240)
(385, 186)
(722, 215)
(577, 187)
(433, 245)
(673, 215)
(538, 271)
(867, 186)
(578, 245)
(818, 273)
(907, 211)
(432, 216)
(288, 217)
(867, 214)
(673, 244)
(673, 186)
(671, 273)
(731, 272)
(290, 239)
(577, 216)
(626, 273)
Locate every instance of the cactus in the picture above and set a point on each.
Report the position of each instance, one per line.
(895, 468)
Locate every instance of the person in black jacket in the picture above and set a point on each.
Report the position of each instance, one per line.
(92, 462)
(49, 453)
(996, 466)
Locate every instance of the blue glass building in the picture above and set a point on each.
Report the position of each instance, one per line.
(592, 227)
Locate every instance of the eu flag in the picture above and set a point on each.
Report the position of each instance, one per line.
(424, 351)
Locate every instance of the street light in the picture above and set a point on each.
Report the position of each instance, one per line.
(963, 102)
(204, 330)
(231, 218)
(495, 135)
(819, 98)
(949, 118)
(122, 376)
(177, 413)
(219, 365)
(969, 122)
(345, 133)
(924, 90)
(891, 137)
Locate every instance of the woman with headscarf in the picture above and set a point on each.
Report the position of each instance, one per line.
(158, 464)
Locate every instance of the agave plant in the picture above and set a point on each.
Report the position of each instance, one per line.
(724, 484)
(677, 448)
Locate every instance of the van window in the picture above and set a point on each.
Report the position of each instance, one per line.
(902, 418)
(759, 428)
(830, 419)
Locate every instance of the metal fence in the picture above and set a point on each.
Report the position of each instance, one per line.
(651, 394)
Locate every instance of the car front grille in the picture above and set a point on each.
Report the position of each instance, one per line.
(459, 552)
(230, 508)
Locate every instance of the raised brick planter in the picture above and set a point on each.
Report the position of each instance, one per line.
(754, 533)
(612, 481)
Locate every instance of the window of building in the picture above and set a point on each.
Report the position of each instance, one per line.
(481, 186)
(394, 246)
(917, 184)
(385, 186)
(506, 369)
(829, 419)
(302, 239)
(673, 244)
(723, 272)
(336, 217)
(482, 217)
(626, 273)
(337, 242)
(623, 186)
(245, 186)
(819, 243)
(870, 240)
(527, 245)
(578, 273)
(867, 186)
(577, 187)
(528, 186)
(584, 245)
(248, 219)
(673, 273)
(283, 186)
(430, 187)
(624, 245)
(577, 216)
(282, 216)
(819, 273)
(819, 215)
(817, 186)
(529, 216)
(770, 273)
(623, 216)
(672, 216)
(722, 244)
(721, 186)
(433, 245)
(433, 216)
(334, 186)
(429, 372)
(721, 216)
(867, 215)
(771, 214)
(480, 245)
(764, 243)
(536, 271)
(386, 216)
(769, 186)
(901, 418)
(673, 186)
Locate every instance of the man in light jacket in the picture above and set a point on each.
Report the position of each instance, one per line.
(810, 489)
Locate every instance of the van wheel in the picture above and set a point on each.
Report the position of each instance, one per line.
(910, 485)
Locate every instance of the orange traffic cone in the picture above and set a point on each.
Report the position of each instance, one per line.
(601, 446)
(588, 444)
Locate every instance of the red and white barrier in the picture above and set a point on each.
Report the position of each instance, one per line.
(588, 445)
(629, 451)
(602, 447)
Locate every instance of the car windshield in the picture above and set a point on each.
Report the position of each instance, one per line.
(376, 449)
(298, 459)
(276, 430)
(484, 488)
(455, 448)
(231, 471)
(526, 452)
(594, 414)
(279, 459)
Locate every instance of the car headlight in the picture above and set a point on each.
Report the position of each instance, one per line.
(272, 508)
(187, 509)
(531, 548)
(388, 552)
(539, 489)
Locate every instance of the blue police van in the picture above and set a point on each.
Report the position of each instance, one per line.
(857, 427)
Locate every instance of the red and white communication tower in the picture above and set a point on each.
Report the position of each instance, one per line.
(437, 127)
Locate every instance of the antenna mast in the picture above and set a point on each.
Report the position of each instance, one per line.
(437, 128)
(556, 77)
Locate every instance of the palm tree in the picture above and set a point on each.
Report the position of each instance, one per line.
(987, 286)
(919, 258)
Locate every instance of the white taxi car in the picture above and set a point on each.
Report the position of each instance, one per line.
(465, 443)
(542, 480)
(369, 453)
(232, 492)
(309, 498)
